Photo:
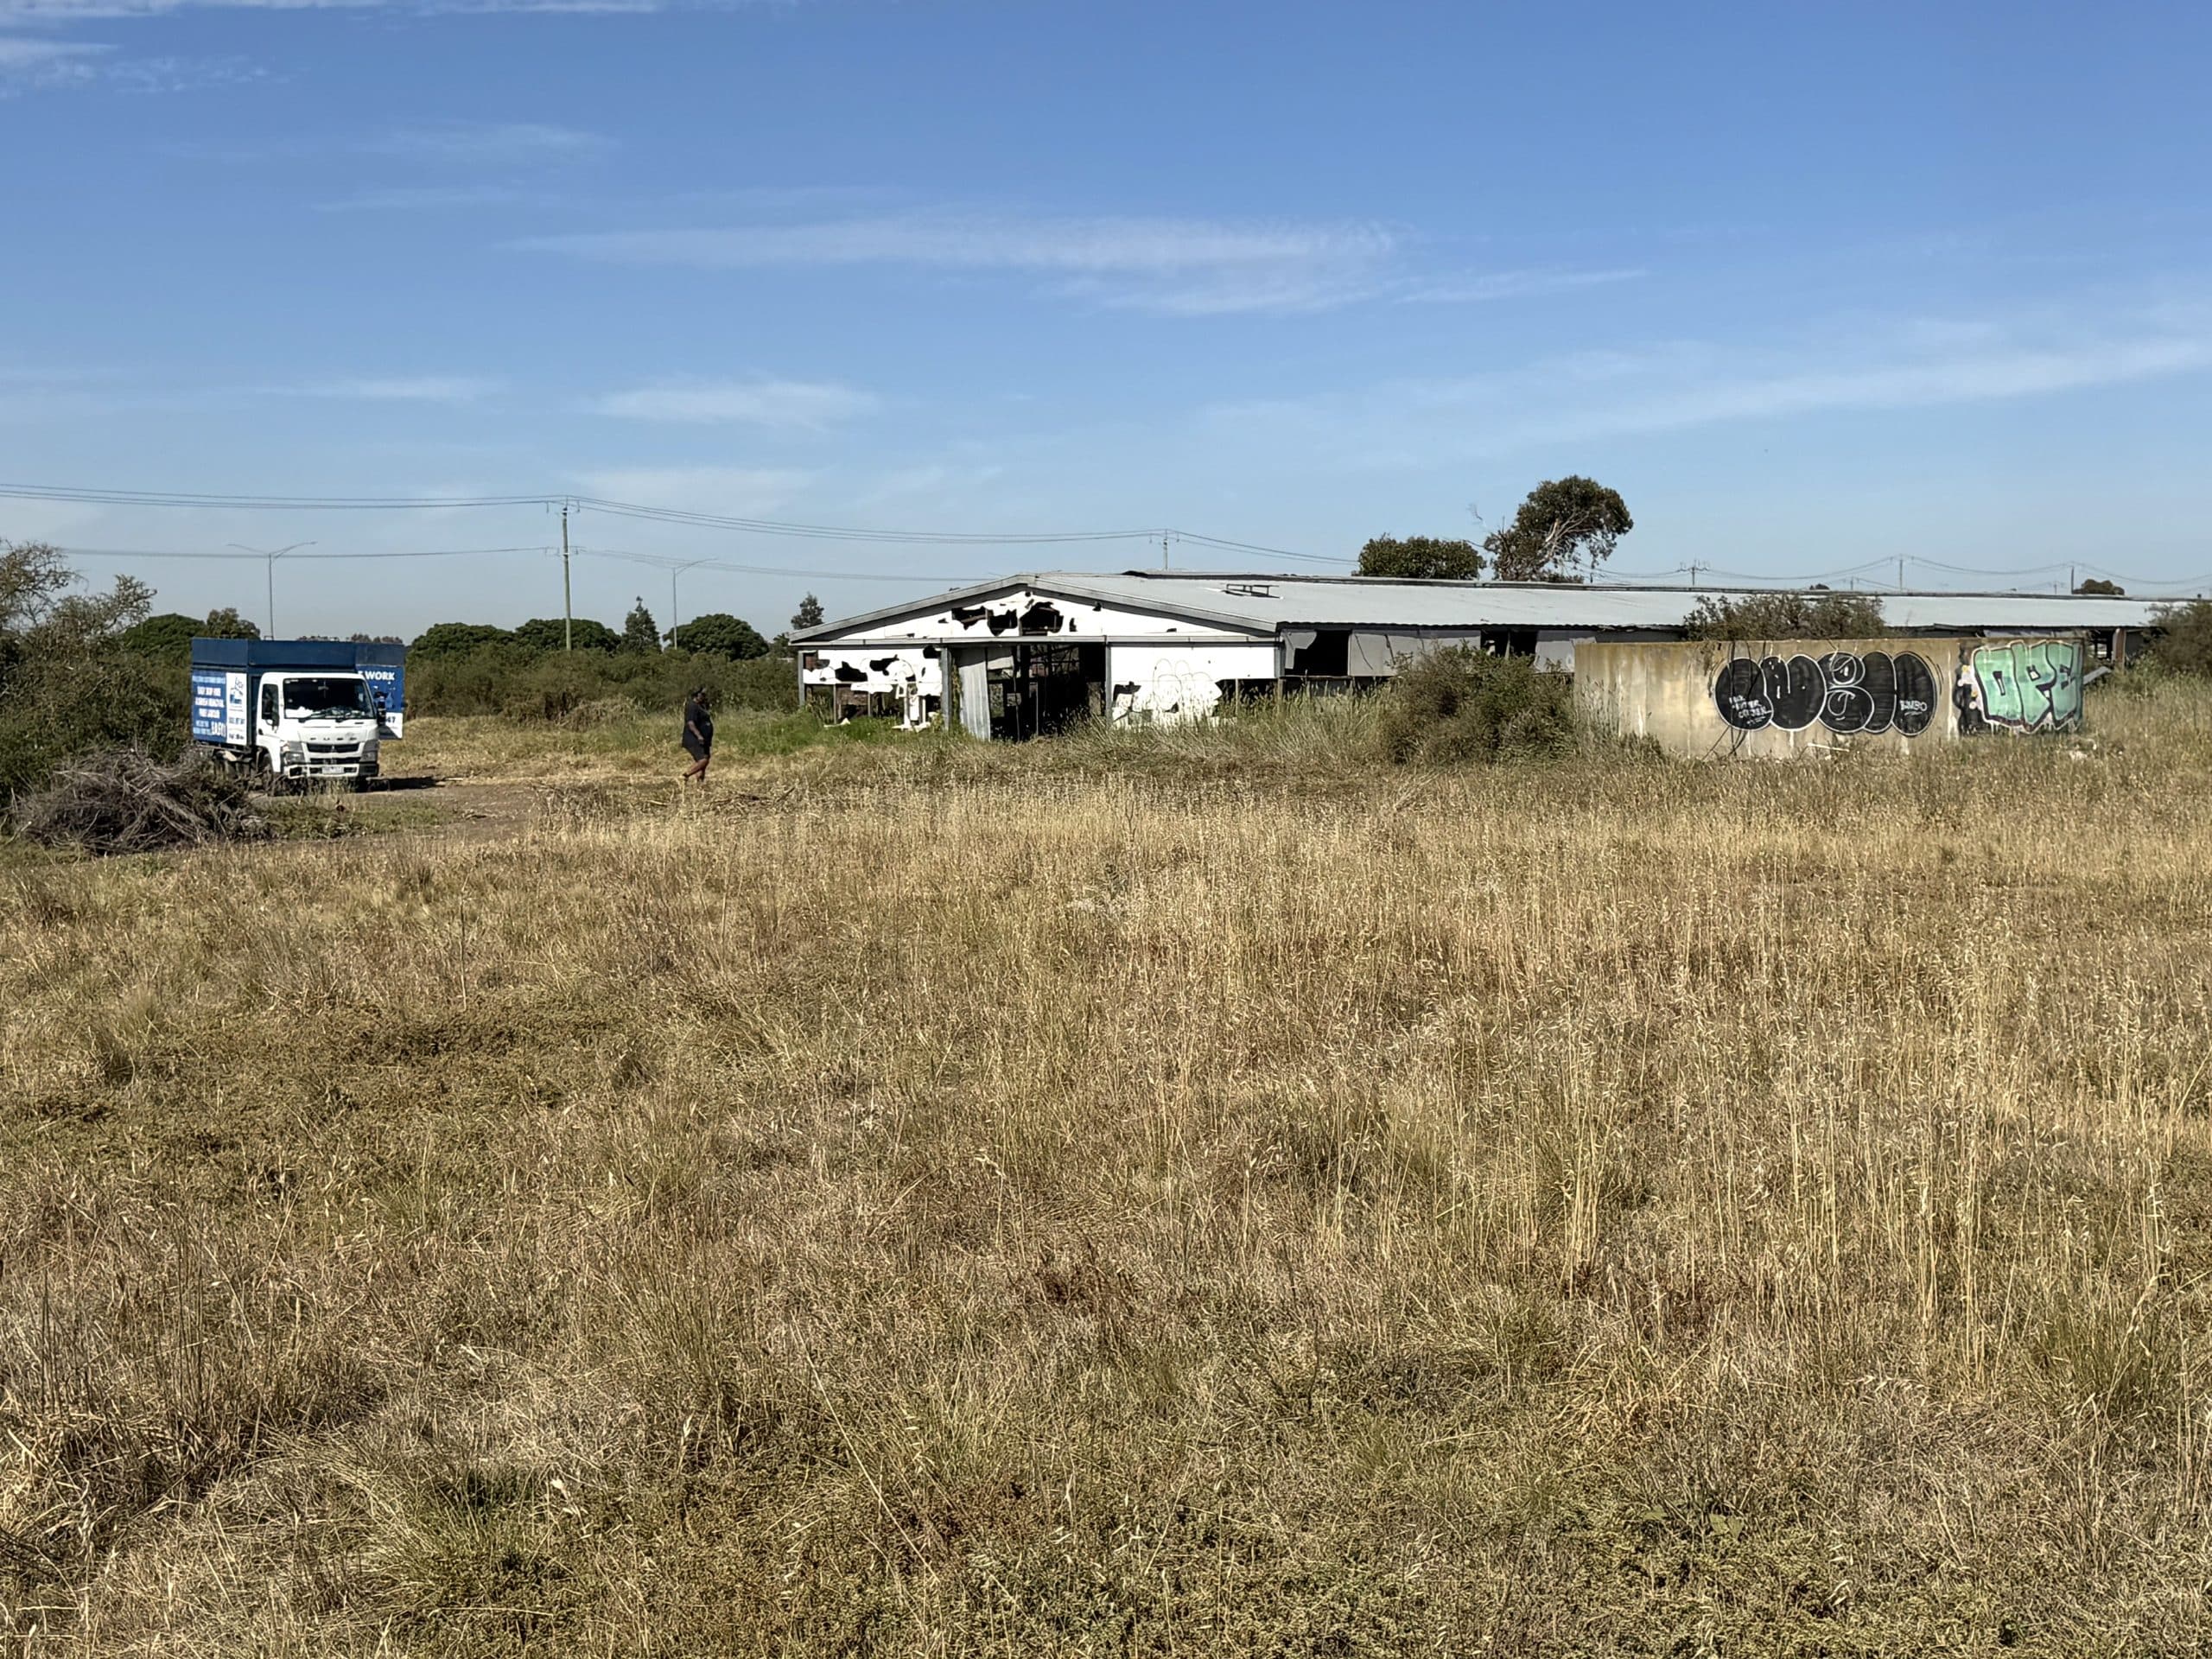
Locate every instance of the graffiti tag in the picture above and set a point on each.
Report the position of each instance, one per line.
(2026, 686)
(1847, 691)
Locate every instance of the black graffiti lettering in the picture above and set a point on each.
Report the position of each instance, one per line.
(1740, 692)
(1849, 706)
(1915, 693)
(1796, 689)
(1847, 691)
(1881, 685)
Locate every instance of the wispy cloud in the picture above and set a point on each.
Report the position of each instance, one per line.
(28, 64)
(403, 389)
(1168, 264)
(1142, 246)
(1916, 364)
(434, 198)
(487, 143)
(1477, 288)
(1172, 266)
(68, 11)
(806, 405)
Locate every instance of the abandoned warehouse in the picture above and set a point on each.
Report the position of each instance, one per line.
(1025, 655)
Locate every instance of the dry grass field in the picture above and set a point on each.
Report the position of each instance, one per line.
(1201, 1193)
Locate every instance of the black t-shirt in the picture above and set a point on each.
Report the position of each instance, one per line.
(696, 719)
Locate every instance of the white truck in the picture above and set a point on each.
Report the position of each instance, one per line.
(298, 711)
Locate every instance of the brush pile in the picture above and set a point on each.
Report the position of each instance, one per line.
(128, 802)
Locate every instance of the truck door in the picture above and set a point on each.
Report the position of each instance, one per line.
(269, 707)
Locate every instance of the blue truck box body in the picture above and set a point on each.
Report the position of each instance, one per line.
(385, 667)
(226, 677)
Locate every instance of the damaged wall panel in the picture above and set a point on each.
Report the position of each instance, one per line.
(1179, 682)
(874, 668)
(1020, 613)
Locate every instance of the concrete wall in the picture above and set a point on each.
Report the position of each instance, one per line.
(1784, 697)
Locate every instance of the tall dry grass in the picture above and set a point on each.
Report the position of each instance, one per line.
(979, 1206)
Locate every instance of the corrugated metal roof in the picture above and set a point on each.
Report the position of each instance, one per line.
(1268, 604)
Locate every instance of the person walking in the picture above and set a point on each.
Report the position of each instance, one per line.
(698, 734)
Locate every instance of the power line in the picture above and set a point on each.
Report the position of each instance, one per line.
(1253, 547)
(639, 511)
(263, 503)
(794, 530)
(212, 500)
(402, 553)
(659, 561)
(852, 533)
(664, 560)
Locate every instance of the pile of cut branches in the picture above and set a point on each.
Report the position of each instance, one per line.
(128, 802)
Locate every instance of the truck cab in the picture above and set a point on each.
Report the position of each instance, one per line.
(316, 725)
(297, 711)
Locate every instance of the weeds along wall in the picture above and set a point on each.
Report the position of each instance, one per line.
(1777, 698)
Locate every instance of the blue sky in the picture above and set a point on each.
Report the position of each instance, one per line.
(1811, 285)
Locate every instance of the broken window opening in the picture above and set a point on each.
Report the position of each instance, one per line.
(1325, 655)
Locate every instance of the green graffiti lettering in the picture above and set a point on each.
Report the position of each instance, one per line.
(2027, 686)
(1997, 676)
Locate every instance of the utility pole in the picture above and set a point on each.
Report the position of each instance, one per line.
(1900, 573)
(568, 605)
(1163, 549)
(1694, 568)
(272, 555)
(673, 571)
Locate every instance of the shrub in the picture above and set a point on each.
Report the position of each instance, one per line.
(2186, 644)
(720, 634)
(171, 633)
(68, 683)
(476, 682)
(1458, 705)
(457, 639)
(1421, 557)
(505, 680)
(554, 688)
(545, 633)
(1822, 615)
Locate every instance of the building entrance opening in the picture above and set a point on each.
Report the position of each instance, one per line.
(1045, 689)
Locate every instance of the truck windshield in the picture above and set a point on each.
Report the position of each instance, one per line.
(304, 699)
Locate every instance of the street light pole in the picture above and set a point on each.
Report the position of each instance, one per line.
(673, 571)
(272, 555)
